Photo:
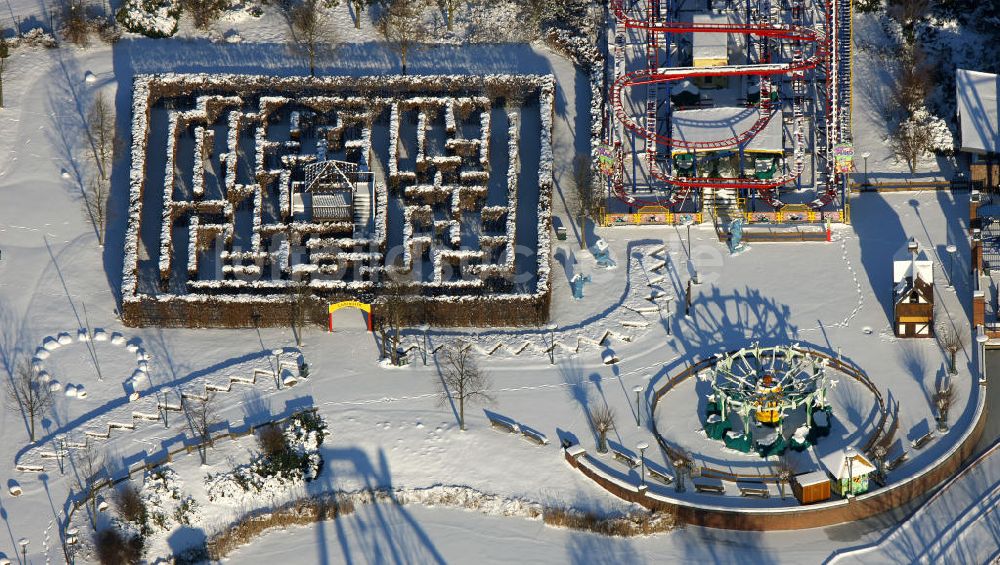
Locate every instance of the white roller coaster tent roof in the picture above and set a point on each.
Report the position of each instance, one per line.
(712, 124)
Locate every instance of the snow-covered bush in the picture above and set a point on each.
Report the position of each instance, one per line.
(300, 461)
(34, 38)
(152, 18)
(918, 135)
(167, 507)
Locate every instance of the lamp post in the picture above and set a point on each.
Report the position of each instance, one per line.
(424, 328)
(689, 222)
(552, 340)
(23, 542)
(865, 156)
(637, 389)
(277, 364)
(951, 249)
(678, 475)
(669, 299)
(642, 446)
(982, 338)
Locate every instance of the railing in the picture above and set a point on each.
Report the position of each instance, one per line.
(647, 216)
(911, 186)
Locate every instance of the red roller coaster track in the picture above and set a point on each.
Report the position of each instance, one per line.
(649, 76)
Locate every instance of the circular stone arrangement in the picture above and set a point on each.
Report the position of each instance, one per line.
(133, 384)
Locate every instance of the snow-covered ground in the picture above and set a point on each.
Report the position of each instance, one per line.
(387, 427)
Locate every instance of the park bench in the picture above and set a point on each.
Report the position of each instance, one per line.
(623, 457)
(896, 461)
(922, 440)
(709, 485)
(500, 424)
(753, 488)
(659, 475)
(534, 436)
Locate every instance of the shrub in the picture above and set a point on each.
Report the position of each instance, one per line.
(272, 440)
(130, 505)
(76, 27)
(204, 12)
(152, 18)
(622, 526)
(113, 548)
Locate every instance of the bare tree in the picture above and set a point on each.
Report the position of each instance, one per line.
(451, 6)
(402, 26)
(76, 28)
(88, 462)
(953, 340)
(4, 54)
(394, 308)
(462, 379)
(359, 7)
(785, 471)
(913, 78)
(104, 133)
(910, 141)
(908, 13)
(943, 399)
(587, 202)
(201, 412)
(27, 393)
(301, 301)
(310, 29)
(603, 420)
(104, 142)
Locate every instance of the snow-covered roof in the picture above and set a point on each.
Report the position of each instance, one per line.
(902, 266)
(847, 464)
(813, 478)
(330, 205)
(724, 122)
(977, 111)
(710, 47)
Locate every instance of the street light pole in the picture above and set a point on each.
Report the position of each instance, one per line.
(638, 404)
(982, 338)
(669, 299)
(425, 328)
(642, 446)
(865, 156)
(951, 249)
(552, 341)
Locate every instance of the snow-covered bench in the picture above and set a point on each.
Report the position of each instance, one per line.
(894, 459)
(922, 440)
(499, 423)
(709, 485)
(659, 475)
(753, 488)
(623, 457)
(533, 436)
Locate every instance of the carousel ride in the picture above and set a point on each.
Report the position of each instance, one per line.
(763, 387)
